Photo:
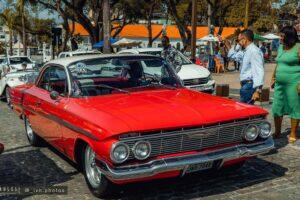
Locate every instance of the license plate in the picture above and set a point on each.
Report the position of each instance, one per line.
(199, 167)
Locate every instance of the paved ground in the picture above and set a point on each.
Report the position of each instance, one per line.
(272, 176)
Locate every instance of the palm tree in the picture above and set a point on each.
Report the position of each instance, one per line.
(21, 10)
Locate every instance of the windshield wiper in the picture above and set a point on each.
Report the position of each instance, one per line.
(159, 85)
(106, 86)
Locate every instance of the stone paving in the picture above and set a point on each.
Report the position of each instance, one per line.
(275, 175)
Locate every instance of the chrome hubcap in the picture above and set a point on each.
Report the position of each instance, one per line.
(29, 130)
(92, 172)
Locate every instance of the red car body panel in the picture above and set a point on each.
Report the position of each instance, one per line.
(100, 120)
(1, 148)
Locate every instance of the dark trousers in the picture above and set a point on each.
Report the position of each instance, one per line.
(236, 65)
(225, 62)
(247, 92)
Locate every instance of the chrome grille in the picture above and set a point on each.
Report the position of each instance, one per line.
(197, 81)
(183, 140)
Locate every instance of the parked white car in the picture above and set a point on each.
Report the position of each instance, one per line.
(14, 63)
(193, 76)
(13, 79)
(77, 53)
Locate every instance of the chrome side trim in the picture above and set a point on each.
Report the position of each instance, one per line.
(180, 163)
(65, 124)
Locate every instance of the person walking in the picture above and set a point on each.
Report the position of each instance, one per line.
(224, 52)
(286, 82)
(170, 54)
(252, 67)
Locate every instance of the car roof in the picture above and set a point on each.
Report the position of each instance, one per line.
(67, 61)
(141, 50)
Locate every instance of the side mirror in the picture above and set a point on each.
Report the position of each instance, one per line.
(54, 95)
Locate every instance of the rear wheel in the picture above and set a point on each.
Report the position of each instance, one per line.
(99, 185)
(32, 137)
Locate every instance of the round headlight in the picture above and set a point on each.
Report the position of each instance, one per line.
(251, 133)
(142, 150)
(120, 152)
(265, 130)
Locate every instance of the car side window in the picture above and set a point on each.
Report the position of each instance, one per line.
(54, 79)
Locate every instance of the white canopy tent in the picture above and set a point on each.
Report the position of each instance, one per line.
(208, 38)
(124, 42)
(271, 36)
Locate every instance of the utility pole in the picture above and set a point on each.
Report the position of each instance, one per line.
(194, 29)
(246, 14)
(106, 26)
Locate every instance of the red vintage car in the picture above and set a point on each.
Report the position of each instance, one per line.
(128, 118)
(1, 148)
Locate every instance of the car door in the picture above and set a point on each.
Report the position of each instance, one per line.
(50, 112)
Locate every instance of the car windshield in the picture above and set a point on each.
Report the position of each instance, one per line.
(19, 60)
(100, 76)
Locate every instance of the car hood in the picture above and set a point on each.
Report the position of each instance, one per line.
(192, 71)
(19, 73)
(159, 109)
(19, 66)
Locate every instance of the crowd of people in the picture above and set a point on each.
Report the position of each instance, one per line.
(248, 58)
(214, 54)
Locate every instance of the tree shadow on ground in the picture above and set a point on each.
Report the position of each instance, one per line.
(30, 168)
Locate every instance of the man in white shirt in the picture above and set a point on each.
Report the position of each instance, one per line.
(252, 67)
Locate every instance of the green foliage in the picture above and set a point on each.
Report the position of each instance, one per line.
(263, 24)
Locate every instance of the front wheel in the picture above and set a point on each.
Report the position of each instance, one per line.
(99, 185)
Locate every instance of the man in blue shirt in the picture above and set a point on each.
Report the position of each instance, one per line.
(252, 67)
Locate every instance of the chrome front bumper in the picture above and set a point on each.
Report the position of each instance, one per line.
(180, 163)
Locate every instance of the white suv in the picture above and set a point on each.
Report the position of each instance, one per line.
(193, 76)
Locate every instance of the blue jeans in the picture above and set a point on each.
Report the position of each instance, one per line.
(246, 92)
(211, 63)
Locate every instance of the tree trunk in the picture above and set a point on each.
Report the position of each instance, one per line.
(24, 34)
(106, 26)
(149, 27)
(183, 31)
(10, 42)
